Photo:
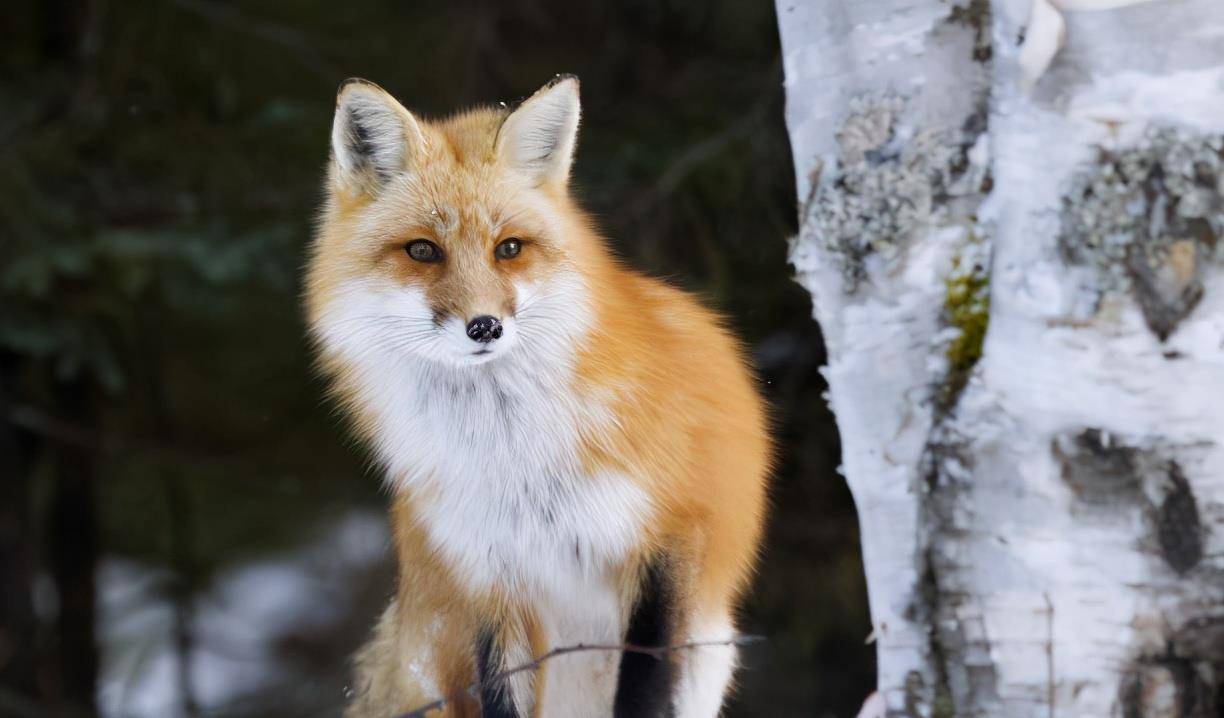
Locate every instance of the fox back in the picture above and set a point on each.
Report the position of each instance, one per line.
(577, 452)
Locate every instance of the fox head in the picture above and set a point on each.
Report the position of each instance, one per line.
(453, 242)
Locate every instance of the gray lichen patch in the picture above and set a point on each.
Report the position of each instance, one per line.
(890, 183)
(1149, 219)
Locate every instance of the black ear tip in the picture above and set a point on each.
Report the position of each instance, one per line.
(353, 82)
(563, 77)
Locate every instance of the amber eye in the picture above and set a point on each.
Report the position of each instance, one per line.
(422, 250)
(509, 249)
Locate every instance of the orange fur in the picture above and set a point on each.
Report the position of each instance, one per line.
(688, 425)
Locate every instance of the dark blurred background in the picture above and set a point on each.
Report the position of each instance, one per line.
(185, 529)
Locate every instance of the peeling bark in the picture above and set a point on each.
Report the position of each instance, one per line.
(1021, 290)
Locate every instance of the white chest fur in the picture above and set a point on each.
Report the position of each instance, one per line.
(491, 452)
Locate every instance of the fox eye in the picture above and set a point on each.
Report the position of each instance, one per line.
(422, 250)
(509, 249)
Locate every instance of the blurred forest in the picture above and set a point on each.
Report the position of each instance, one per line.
(184, 527)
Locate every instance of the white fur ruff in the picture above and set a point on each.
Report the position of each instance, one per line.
(490, 452)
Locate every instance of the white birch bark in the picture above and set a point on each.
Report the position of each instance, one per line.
(1043, 526)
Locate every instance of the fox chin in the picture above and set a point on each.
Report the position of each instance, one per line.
(577, 453)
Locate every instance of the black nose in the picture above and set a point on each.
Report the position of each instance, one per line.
(484, 329)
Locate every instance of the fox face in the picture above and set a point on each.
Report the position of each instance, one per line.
(451, 242)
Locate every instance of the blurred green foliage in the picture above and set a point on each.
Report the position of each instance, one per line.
(158, 181)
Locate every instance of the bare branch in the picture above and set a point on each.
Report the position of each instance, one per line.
(658, 652)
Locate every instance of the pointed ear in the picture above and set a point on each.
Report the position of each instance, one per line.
(538, 138)
(373, 136)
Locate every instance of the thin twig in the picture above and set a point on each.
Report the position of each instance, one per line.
(658, 652)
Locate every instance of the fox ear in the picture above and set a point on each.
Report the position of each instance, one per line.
(373, 136)
(538, 138)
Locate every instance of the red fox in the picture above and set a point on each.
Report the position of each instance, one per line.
(577, 453)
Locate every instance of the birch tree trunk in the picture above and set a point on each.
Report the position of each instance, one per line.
(1010, 224)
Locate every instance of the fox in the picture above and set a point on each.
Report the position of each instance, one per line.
(576, 454)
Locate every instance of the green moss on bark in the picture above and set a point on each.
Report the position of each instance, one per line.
(967, 309)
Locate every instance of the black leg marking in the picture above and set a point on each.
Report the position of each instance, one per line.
(494, 695)
(644, 687)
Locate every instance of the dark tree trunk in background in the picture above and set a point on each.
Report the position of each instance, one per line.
(72, 530)
(48, 652)
(18, 652)
(69, 37)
